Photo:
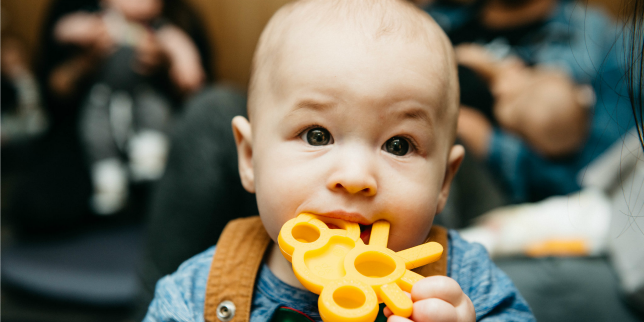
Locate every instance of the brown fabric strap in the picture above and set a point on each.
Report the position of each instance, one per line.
(239, 254)
(436, 234)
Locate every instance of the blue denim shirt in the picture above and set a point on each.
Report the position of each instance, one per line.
(180, 296)
(586, 44)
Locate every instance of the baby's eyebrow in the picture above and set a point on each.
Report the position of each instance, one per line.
(416, 114)
(313, 105)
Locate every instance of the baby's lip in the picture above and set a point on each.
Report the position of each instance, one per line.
(348, 216)
(365, 225)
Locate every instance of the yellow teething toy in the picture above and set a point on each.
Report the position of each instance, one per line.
(351, 277)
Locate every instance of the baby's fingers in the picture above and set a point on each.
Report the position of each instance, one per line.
(433, 310)
(396, 318)
(429, 310)
(387, 312)
(440, 287)
(438, 291)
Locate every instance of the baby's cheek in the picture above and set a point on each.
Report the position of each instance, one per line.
(272, 209)
(411, 220)
(278, 195)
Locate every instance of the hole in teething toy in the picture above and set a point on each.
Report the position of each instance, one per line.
(374, 264)
(305, 233)
(349, 297)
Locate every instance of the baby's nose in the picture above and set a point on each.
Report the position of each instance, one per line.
(364, 188)
(355, 177)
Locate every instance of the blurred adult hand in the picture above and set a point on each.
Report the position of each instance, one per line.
(543, 106)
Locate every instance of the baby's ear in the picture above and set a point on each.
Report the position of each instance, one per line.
(243, 139)
(454, 159)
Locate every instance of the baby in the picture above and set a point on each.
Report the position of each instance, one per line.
(352, 115)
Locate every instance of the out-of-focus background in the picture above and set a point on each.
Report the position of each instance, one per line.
(118, 161)
(233, 28)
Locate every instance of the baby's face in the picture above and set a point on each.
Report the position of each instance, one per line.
(354, 131)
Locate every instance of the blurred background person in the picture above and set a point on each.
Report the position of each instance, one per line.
(552, 98)
(108, 97)
(555, 100)
(126, 115)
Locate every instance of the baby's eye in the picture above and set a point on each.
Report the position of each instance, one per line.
(317, 136)
(397, 146)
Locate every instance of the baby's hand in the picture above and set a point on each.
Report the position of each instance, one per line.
(437, 299)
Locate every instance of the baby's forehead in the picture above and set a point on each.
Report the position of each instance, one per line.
(365, 20)
(375, 24)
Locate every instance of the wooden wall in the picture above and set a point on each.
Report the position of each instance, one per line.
(232, 25)
(22, 18)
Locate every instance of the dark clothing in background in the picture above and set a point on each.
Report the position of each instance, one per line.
(531, 34)
(9, 96)
(475, 92)
(200, 190)
(121, 103)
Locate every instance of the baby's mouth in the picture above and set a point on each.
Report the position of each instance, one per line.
(365, 233)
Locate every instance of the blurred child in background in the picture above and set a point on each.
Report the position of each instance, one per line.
(126, 114)
(53, 189)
